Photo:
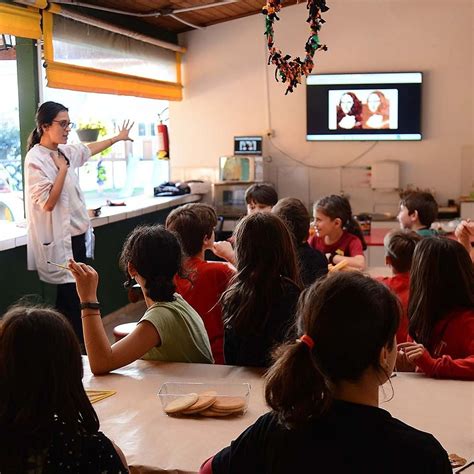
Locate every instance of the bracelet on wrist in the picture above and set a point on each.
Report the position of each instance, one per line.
(90, 305)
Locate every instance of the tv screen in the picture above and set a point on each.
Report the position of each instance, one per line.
(377, 106)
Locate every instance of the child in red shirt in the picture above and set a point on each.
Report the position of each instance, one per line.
(194, 224)
(338, 234)
(399, 248)
(441, 311)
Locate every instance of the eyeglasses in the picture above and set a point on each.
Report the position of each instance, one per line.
(65, 124)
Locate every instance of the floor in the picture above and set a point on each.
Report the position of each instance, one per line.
(130, 313)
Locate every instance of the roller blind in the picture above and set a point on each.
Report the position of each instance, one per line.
(87, 58)
(19, 21)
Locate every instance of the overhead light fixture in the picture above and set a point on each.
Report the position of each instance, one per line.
(7, 42)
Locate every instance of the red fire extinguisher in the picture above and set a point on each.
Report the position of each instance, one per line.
(163, 142)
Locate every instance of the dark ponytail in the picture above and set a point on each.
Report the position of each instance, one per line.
(45, 115)
(155, 253)
(160, 288)
(350, 318)
(335, 206)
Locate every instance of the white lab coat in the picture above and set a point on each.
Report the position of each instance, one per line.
(49, 233)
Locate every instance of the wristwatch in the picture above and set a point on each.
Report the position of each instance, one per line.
(90, 305)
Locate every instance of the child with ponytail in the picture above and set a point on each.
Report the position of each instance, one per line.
(323, 390)
(338, 234)
(170, 330)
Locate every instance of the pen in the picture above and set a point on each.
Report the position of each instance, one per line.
(58, 265)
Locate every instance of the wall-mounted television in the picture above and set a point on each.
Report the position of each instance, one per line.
(375, 106)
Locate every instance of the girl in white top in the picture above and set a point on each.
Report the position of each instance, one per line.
(57, 221)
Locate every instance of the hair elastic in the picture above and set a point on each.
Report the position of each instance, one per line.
(305, 339)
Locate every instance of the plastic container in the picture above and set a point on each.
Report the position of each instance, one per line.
(170, 391)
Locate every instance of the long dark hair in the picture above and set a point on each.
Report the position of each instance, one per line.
(45, 115)
(335, 206)
(356, 110)
(266, 263)
(156, 255)
(350, 318)
(40, 380)
(441, 279)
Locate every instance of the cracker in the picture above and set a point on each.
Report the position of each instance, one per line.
(205, 400)
(339, 266)
(231, 404)
(181, 403)
(211, 412)
(456, 461)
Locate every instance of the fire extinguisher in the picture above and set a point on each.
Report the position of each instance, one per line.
(163, 142)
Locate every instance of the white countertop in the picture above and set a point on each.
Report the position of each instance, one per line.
(13, 234)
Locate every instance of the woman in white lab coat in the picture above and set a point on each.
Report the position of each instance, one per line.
(58, 225)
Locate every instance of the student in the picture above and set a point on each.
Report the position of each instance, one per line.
(58, 226)
(337, 232)
(464, 233)
(43, 405)
(259, 198)
(194, 224)
(170, 330)
(323, 389)
(313, 264)
(441, 311)
(399, 248)
(259, 306)
(418, 210)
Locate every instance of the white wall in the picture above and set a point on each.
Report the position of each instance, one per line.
(225, 94)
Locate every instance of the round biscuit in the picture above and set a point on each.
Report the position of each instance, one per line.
(211, 412)
(205, 400)
(229, 403)
(181, 403)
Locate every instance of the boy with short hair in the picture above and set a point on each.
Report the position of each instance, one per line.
(194, 224)
(418, 210)
(399, 248)
(260, 198)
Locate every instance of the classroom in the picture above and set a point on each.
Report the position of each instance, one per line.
(229, 226)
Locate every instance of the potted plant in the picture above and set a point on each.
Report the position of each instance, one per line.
(90, 131)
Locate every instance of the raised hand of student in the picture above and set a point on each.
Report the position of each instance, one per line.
(464, 231)
(87, 280)
(224, 250)
(412, 350)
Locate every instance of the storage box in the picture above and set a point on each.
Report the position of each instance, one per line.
(226, 393)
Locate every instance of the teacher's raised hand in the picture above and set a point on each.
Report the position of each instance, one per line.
(87, 280)
(124, 131)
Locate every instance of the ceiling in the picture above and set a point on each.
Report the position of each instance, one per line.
(202, 17)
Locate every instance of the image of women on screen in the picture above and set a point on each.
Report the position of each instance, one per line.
(377, 111)
(349, 112)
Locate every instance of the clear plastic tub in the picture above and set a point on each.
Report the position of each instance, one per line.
(227, 393)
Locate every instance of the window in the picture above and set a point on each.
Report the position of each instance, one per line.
(11, 185)
(126, 168)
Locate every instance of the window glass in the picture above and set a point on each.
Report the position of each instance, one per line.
(11, 186)
(127, 168)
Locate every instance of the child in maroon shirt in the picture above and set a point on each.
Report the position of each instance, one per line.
(399, 248)
(194, 224)
(441, 311)
(338, 234)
